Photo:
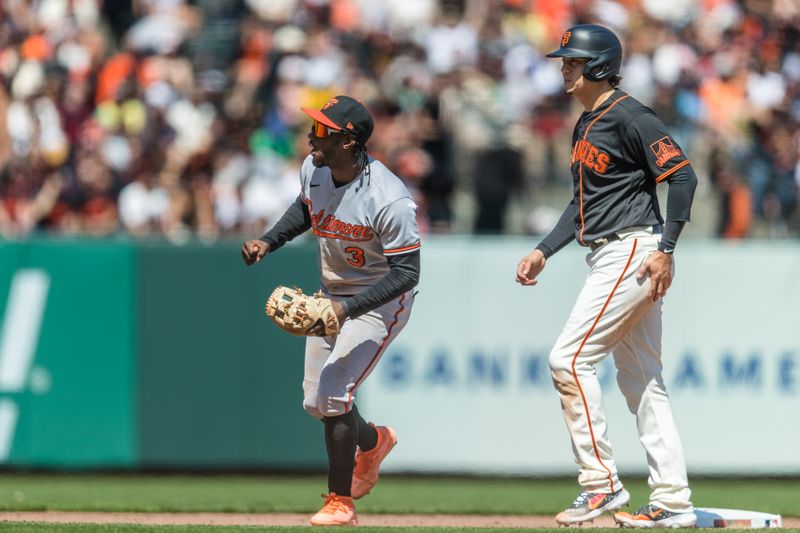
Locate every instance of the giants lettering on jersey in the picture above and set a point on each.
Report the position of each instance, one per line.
(591, 156)
(331, 227)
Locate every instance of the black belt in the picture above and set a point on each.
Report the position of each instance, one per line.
(597, 243)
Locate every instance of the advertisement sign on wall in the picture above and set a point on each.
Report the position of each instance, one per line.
(467, 383)
(67, 344)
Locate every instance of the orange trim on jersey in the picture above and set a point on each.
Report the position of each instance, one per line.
(575, 358)
(669, 172)
(580, 166)
(371, 365)
(405, 249)
(580, 200)
(327, 235)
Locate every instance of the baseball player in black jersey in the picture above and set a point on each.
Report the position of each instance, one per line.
(620, 152)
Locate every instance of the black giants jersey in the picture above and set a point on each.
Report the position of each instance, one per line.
(620, 151)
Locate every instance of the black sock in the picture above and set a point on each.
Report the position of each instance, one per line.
(341, 437)
(367, 435)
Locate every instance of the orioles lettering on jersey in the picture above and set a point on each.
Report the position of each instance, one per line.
(591, 156)
(664, 150)
(331, 227)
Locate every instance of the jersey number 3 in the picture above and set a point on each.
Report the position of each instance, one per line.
(356, 256)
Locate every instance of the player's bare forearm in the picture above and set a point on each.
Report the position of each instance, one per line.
(658, 267)
(530, 267)
(254, 251)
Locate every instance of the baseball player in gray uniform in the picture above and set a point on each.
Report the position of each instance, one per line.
(620, 152)
(369, 261)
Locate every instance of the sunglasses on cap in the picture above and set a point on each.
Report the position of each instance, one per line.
(321, 130)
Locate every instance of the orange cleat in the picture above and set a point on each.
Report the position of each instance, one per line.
(365, 475)
(337, 511)
(652, 516)
(589, 505)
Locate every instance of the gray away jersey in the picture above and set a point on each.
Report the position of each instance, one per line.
(358, 225)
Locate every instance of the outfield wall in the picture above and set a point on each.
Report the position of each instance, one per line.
(117, 354)
(468, 387)
(128, 355)
(67, 354)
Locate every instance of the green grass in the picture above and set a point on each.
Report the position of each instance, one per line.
(395, 494)
(288, 494)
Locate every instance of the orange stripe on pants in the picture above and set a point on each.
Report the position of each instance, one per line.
(575, 374)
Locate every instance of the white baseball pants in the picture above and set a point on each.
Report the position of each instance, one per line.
(613, 316)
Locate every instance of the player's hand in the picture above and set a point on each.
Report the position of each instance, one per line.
(338, 309)
(658, 266)
(529, 267)
(254, 251)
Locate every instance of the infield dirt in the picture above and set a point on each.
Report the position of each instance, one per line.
(290, 519)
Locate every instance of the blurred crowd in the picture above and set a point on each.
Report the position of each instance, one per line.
(180, 118)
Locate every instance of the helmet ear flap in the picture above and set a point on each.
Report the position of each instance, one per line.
(606, 64)
(591, 65)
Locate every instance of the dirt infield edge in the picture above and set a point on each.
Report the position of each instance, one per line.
(286, 519)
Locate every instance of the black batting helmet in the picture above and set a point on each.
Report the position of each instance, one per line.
(596, 43)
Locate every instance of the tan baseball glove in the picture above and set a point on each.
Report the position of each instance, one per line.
(301, 314)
